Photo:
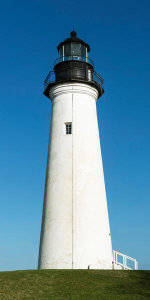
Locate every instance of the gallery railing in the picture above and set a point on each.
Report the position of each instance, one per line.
(75, 73)
(74, 58)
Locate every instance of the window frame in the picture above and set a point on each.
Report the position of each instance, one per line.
(68, 128)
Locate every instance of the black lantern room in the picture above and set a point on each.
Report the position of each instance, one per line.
(73, 65)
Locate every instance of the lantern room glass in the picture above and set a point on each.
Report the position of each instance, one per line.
(73, 51)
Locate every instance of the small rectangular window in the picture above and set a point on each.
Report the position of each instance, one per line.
(68, 128)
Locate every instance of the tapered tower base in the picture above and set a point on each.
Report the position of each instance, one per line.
(75, 230)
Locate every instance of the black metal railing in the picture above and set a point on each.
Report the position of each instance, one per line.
(74, 58)
(74, 73)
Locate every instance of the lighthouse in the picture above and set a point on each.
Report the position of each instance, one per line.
(75, 231)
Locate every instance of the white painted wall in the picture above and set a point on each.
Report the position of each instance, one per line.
(75, 227)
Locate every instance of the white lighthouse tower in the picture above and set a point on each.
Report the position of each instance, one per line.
(75, 231)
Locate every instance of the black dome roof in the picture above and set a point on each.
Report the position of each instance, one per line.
(74, 39)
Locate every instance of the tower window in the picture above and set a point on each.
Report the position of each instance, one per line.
(68, 128)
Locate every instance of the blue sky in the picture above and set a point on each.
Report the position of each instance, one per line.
(118, 33)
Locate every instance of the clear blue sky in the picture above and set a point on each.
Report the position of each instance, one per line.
(119, 35)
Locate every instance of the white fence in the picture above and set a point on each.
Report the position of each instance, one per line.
(125, 261)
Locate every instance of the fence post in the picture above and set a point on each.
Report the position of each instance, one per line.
(136, 265)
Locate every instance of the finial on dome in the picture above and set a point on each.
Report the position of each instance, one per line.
(73, 33)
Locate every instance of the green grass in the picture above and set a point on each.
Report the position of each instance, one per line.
(74, 284)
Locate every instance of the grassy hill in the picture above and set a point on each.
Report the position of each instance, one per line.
(74, 284)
